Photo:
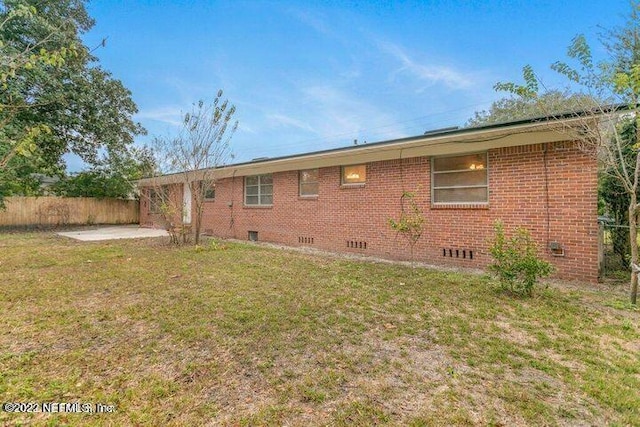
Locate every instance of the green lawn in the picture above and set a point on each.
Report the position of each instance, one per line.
(235, 334)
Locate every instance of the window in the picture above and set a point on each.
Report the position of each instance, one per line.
(355, 174)
(309, 182)
(156, 199)
(210, 192)
(460, 179)
(258, 190)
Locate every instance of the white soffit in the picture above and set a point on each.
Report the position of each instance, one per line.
(436, 145)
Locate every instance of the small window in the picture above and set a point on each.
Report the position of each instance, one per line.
(309, 182)
(157, 199)
(209, 188)
(460, 179)
(210, 194)
(355, 174)
(258, 190)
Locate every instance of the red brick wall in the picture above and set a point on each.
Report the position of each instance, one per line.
(562, 208)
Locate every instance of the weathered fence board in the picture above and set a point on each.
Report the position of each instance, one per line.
(51, 211)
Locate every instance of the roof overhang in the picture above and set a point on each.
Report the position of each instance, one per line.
(447, 143)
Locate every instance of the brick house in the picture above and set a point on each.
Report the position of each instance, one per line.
(524, 173)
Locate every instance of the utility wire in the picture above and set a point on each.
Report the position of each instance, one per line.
(393, 133)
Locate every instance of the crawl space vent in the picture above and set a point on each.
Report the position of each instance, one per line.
(457, 253)
(356, 244)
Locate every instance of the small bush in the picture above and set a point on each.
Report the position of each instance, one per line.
(411, 222)
(516, 262)
(216, 245)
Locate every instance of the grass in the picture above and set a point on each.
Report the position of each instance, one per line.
(234, 334)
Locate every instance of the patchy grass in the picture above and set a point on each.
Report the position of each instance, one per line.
(234, 334)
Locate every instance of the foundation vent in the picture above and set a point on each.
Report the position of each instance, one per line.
(356, 244)
(457, 253)
(208, 231)
(305, 240)
(253, 236)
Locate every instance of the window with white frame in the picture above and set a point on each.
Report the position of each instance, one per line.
(354, 174)
(258, 190)
(308, 182)
(460, 179)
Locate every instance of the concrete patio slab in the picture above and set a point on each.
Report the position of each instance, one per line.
(114, 232)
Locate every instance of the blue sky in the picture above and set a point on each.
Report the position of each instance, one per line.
(307, 76)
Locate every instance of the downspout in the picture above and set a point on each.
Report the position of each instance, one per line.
(233, 192)
(402, 171)
(546, 196)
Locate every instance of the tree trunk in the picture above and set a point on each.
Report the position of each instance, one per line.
(633, 241)
(198, 224)
(197, 202)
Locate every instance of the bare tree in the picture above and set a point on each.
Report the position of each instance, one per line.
(166, 206)
(608, 127)
(195, 154)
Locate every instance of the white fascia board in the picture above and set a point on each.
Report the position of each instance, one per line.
(457, 143)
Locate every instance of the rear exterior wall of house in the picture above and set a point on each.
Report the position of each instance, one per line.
(550, 189)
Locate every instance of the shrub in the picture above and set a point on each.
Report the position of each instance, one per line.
(411, 222)
(516, 262)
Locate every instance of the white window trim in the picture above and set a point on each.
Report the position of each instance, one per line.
(300, 183)
(433, 187)
(259, 190)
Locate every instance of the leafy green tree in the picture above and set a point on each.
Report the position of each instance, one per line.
(614, 196)
(606, 131)
(517, 108)
(115, 177)
(55, 99)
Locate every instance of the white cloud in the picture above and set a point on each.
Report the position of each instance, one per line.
(243, 128)
(188, 90)
(425, 72)
(171, 115)
(338, 116)
(283, 120)
(314, 21)
(319, 116)
(350, 74)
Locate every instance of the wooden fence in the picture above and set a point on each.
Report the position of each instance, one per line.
(57, 211)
